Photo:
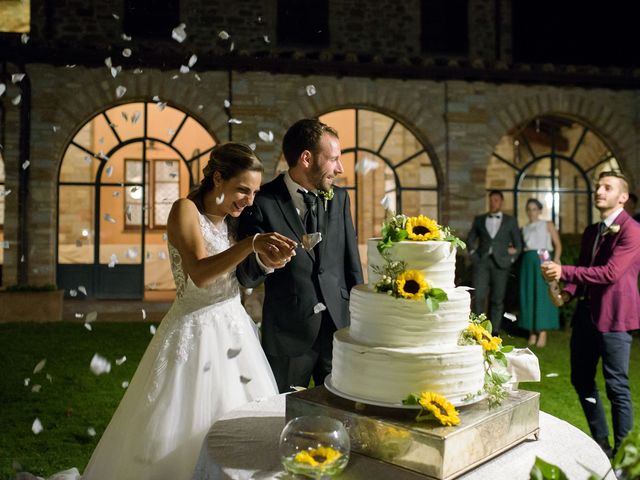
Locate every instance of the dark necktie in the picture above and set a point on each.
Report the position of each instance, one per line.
(602, 227)
(310, 217)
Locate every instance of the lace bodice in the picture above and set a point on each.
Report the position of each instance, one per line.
(216, 240)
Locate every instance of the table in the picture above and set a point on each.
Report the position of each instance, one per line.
(244, 445)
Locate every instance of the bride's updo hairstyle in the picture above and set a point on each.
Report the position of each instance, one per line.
(229, 159)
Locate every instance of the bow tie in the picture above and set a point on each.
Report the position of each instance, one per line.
(494, 215)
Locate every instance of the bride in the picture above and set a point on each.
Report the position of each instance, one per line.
(205, 358)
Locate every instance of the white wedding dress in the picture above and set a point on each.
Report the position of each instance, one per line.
(204, 360)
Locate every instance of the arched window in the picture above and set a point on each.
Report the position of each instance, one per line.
(556, 160)
(381, 158)
(118, 178)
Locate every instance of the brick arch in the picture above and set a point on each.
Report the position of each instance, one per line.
(595, 114)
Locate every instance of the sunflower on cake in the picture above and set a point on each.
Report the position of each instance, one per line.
(412, 339)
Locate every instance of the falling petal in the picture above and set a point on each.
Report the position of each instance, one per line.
(49, 377)
(156, 98)
(135, 117)
(165, 237)
(175, 77)
(266, 136)
(99, 365)
(248, 291)
(223, 35)
(226, 103)
(24, 38)
(114, 72)
(162, 255)
(113, 260)
(125, 37)
(207, 366)
(235, 121)
(126, 52)
(184, 69)
(144, 314)
(36, 388)
(124, 116)
(129, 211)
(244, 379)
(16, 99)
(233, 352)
(88, 327)
(252, 146)
(73, 293)
(79, 315)
(590, 400)
(192, 60)
(220, 199)
(311, 90)
(107, 62)
(91, 316)
(232, 46)
(40, 365)
(55, 128)
(297, 389)
(197, 77)
(365, 165)
(179, 34)
(82, 290)
(4, 193)
(131, 253)
(152, 286)
(70, 65)
(3, 88)
(120, 91)
(386, 202)
(26, 381)
(161, 105)
(510, 316)
(266, 39)
(320, 307)
(121, 360)
(17, 77)
(552, 375)
(87, 159)
(91, 432)
(116, 16)
(125, 384)
(200, 107)
(116, 194)
(109, 218)
(109, 171)
(36, 427)
(137, 71)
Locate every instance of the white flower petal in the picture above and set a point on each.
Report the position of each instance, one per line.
(590, 400)
(82, 290)
(137, 71)
(266, 136)
(207, 366)
(125, 37)
(40, 365)
(184, 69)
(16, 100)
(88, 326)
(179, 34)
(266, 39)
(197, 77)
(109, 218)
(223, 35)
(120, 91)
(232, 46)
(109, 171)
(226, 103)
(510, 316)
(244, 379)
(107, 62)
(365, 165)
(26, 381)
(552, 375)
(386, 202)
(126, 52)
(116, 16)
(99, 364)
(152, 329)
(49, 377)
(17, 77)
(36, 427)
(91, 432)
(320, 307)
(125, 384)
(73, 292)
(79, 315)
(235, 121)
(121, 360)
(233, 352)
(24, 38)
(162, 255)
(192, 60)
(165, 237)
(26, 164)
(144, 314)
(3, 88)
(36, 388)
(220, 199)
(311, 90)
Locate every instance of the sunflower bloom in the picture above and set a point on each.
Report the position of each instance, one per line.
(412, 285)
(422, 228)
(440, 408)
(318, 457)
(484, 338)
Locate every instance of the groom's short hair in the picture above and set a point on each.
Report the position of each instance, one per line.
(304, 135)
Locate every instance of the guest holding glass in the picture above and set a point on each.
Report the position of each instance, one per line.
(537, 313)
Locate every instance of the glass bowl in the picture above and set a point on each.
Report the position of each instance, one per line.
(314, 446)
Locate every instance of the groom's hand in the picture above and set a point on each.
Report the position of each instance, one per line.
(275, 250)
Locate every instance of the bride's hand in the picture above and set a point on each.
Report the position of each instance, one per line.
(275, 250)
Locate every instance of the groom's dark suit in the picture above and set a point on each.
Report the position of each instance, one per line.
(290, 328)
(605, 282)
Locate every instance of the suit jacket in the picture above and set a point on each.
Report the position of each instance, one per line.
(325, 275)
(612, 278)
(479, 240)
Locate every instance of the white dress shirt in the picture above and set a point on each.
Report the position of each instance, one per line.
(493, 222)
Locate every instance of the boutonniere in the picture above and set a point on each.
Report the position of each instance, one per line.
(326, 195)
(612, 230)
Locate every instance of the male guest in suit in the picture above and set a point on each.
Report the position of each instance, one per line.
(494, 243)
(605, 282)
(308, 299)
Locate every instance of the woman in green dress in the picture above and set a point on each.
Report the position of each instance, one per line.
(537, 313)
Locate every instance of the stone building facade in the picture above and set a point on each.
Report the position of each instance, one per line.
(460, 108)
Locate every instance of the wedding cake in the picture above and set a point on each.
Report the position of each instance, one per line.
(398, 346)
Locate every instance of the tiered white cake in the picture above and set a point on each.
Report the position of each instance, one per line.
(396, 347)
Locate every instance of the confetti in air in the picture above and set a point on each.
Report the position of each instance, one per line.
(152, 329)
(17, 77)
(82, 290)
(220, 199)
(16, 99)
(510, 316)
(266, 39)
(365, 165)
(226, 103)
(590, 400)
(24, 38)
(179, 34)
(252, 146)
(40, 365)
(223, 35)
(235, 121)
(91, 316)
(125, 384)
(91, 432)
(162, 255)
(320, 307)
(55, 128)
(73, 293)
(192, 60)
(165, 237)
(131, 253)
(184, 69)
(26, 381)
(311, 90)
(99, 365)
(144, 314)
(232, 46)
(386, 202)
(266, 136)
(88, 327)
(36, 427)
(121, 360)
(120, 91)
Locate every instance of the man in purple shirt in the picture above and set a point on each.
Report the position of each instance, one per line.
(605, 283)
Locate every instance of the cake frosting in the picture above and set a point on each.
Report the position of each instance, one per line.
(396, 346)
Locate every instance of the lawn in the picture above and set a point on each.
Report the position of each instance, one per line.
(75, 399)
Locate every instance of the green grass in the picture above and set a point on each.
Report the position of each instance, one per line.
(76, 399)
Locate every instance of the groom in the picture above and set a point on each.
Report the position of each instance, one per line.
(308, 299)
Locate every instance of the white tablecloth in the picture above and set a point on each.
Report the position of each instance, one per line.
(244, 445)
